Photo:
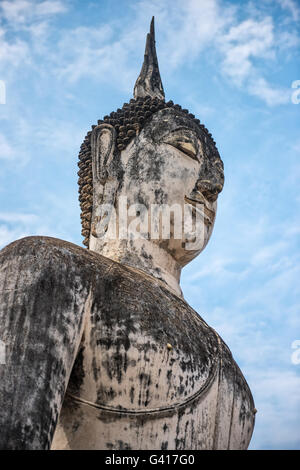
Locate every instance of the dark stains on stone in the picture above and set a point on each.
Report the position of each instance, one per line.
(106, 342)
(125, 308)
(148, 398)
(105, 395)
(120, 445)
(131, 394)
(45, 308)
(171, 361)
(94, 368)
(145, 378)
(145, 254)
(160, 196)
(179, 441)
(77, 375)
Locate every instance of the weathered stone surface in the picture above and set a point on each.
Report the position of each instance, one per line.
(155, 171)
(149, 82)
(149, 373)
(126, 377)
(43, 295)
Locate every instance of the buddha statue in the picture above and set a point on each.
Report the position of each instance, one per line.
(102, 350)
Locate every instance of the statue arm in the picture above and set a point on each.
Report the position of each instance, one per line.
(43, 300)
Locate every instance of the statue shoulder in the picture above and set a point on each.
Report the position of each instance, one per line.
(35, 255)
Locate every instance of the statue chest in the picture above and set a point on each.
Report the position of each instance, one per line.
(143, 351)
(151, 374)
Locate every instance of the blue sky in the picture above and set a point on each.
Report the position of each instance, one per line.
(67, 63)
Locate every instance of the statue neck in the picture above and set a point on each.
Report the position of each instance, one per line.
(143, 255)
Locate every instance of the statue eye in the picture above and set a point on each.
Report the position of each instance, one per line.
(184, 144)
(186, 147)
(184, 140)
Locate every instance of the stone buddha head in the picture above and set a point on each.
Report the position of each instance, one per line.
(149, 178)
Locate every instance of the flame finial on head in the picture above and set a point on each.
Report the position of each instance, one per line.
(149, 81)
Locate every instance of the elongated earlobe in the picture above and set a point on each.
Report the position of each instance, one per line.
(103, 141)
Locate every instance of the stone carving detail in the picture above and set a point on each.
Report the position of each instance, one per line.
(101, 349)
(149, 82)
(128, 123)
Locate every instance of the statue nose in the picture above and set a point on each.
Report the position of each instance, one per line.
(209, 189)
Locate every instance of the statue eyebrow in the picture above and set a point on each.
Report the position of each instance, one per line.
(178, 129)
(183, 128)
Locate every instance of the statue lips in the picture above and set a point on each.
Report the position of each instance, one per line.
(209, 215)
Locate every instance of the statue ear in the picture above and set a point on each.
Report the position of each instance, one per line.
(103, 142)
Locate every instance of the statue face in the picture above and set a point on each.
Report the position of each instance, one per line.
(172, 161)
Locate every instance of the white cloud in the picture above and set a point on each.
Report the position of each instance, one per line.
(271, 95)
(189, 28)
(219, 268)
(267, 253)
(291, 7)
(277, 398)
(7, 236)
(14, 226)
(50, 7)
(16, 11)
(192, 26)
(247, 41)
(88, 52)
(288, 40)
(19, 12)
(13, 53)
(195, 25)
(6, 150)
(29, 16)
(38, 30)
(16, 217)
(55, 135)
